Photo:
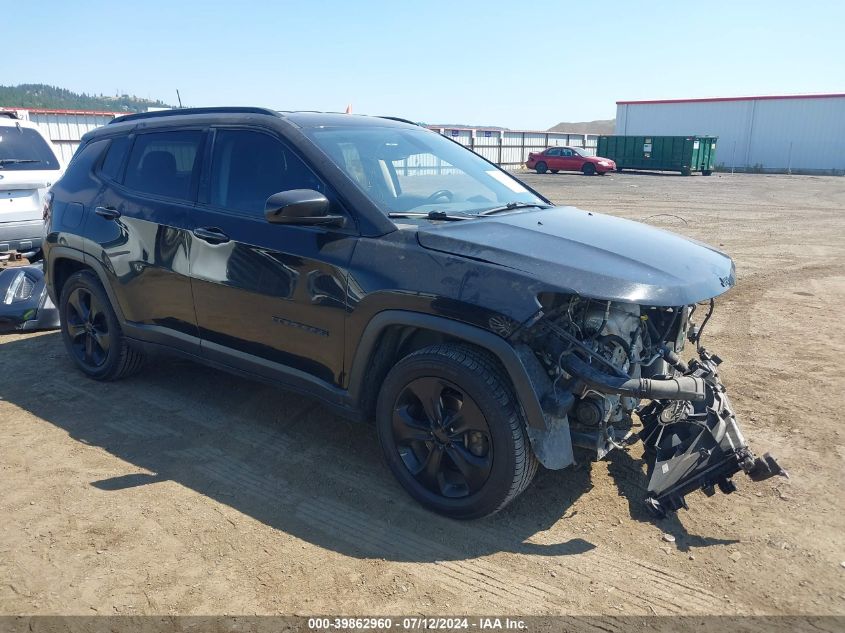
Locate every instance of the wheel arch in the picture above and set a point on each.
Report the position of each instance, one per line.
(393, 334)
(64, 262)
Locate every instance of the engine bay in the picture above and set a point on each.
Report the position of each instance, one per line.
(615, 367)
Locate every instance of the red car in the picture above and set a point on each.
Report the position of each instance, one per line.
(555, 159)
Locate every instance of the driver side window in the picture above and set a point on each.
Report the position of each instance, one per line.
(248, 166)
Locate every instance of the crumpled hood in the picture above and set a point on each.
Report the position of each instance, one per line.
(591, 254)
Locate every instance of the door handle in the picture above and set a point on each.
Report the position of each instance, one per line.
(211, 235)
(109, 213)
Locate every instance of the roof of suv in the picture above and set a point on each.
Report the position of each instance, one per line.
(298, 118)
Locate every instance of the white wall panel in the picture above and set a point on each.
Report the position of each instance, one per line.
(753, 133)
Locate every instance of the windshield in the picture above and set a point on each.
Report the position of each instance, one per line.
(22, 148)
(580, 152)
(418, 171)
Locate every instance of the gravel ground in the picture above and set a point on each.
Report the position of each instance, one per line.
(188, 491)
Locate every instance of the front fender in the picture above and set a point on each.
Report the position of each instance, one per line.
(497, 346)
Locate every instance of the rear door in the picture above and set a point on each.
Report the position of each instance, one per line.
(270, 298)
(553, 158)
(138, 231)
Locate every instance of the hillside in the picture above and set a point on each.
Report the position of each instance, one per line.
(52, 97)
(601, 126)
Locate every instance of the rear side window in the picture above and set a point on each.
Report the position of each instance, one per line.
(114, 157)
(24, 149)
(162, 163)
(247, 167)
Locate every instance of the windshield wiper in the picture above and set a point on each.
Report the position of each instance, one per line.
(17, 161)
(510, 206)
(429, 215)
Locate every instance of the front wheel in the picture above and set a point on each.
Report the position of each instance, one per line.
(589, 169)
(453, 433)
(541, 168)
(706, 172)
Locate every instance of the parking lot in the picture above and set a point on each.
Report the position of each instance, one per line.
(186, 490)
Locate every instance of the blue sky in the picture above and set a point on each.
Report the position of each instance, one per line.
(516, 64)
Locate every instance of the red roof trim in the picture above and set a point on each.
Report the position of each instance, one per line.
(754, 98)
(49, 111)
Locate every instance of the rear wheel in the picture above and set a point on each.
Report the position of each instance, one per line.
(554, 171)
(541, 168)
(453, 433)
(589, 169)
(706, 172)
(91, 331)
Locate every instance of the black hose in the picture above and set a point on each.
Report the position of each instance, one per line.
(677, 388)
(706, 319)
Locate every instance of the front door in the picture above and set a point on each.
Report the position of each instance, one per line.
(569, 160)
(270, 298)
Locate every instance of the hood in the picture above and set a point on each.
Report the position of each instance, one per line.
(591, 254)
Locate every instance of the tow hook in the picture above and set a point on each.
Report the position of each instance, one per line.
(697, 445)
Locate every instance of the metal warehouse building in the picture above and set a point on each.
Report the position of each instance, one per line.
(799, 133)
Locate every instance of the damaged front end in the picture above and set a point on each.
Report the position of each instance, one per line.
(604, 361)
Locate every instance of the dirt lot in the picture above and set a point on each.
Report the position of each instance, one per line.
(185, 490)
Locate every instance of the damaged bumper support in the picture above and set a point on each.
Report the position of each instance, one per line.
(697, 445)
(690, 432)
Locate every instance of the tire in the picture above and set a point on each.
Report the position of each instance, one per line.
(91, 331)
(619, 170)
(588, 169)
(541, 168)
(706, 172)
(471, 467)
(555, 171)
(686, 172)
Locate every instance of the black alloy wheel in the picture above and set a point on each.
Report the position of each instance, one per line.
(91, 330)
(452, 431)
(442, 437)
(88, 328)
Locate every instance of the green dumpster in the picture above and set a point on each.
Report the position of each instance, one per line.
(685, 154)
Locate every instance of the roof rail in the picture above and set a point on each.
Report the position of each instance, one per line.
(400, 119)
(156, 114)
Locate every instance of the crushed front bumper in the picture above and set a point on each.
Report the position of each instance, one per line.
(697, 445)
(24, 302)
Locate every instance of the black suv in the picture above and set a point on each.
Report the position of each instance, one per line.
(395, 275)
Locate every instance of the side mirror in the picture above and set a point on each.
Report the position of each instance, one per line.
(300, 206)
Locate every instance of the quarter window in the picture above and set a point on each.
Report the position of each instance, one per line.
(162, 163)
(247, 167)
(114, 157)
